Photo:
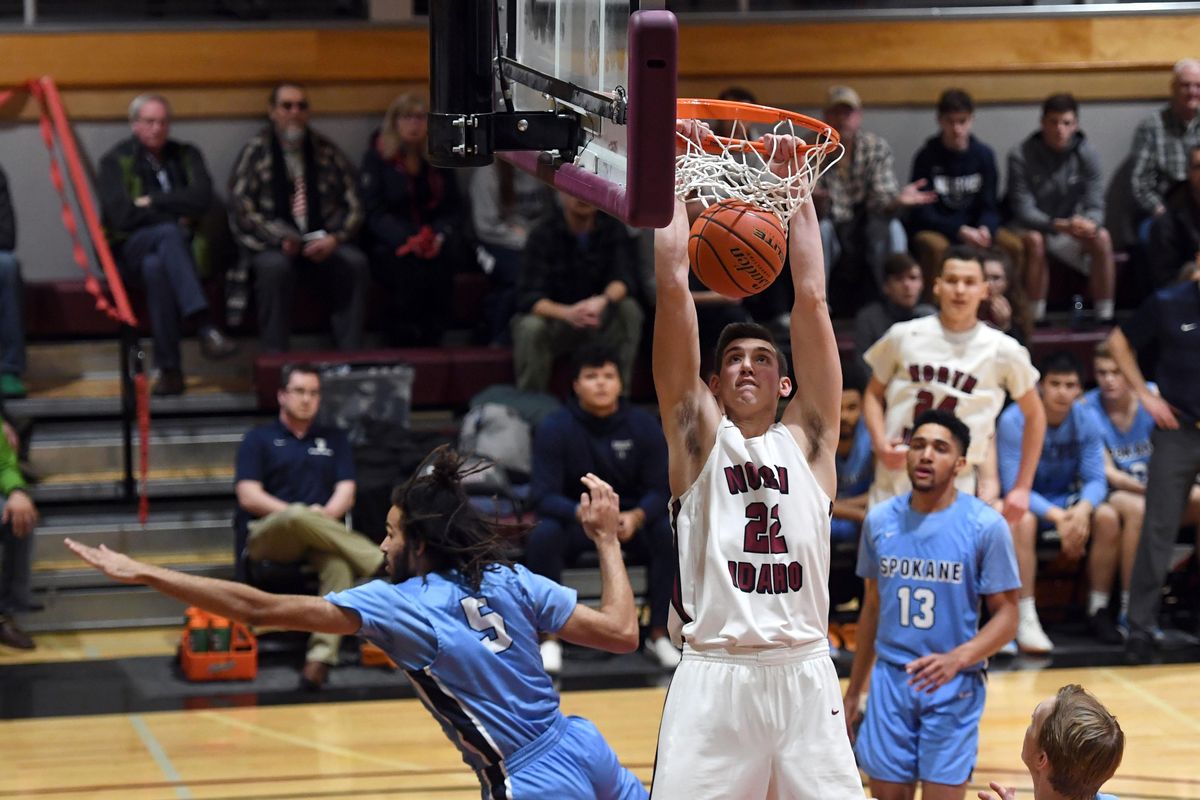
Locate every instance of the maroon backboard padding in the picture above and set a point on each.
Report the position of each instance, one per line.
(648, 199)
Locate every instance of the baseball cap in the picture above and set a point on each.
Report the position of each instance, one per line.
(843, 96)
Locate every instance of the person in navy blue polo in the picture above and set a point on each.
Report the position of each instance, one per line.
(295, 485)
(1170, 319)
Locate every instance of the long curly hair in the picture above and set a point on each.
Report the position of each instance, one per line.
(435, 510)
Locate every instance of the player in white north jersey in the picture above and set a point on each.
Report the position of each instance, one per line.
(953, 362)
(754, 707)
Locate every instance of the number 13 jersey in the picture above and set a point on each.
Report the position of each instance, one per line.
(752, 535)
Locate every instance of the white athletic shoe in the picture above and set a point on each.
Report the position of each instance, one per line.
(1030, 636)
(551, 656)
(662, 651)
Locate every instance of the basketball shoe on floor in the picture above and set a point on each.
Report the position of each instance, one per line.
(551, 656)
(662, 651)
(1030, 636)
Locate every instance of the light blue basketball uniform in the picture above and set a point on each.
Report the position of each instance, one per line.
(473, 659)
(854, 475)
(1071, 465)
(1131, 449)
(932, 572)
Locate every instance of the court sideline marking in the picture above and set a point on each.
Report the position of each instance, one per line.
(160, 756)
(302, 741)
(1151, 698)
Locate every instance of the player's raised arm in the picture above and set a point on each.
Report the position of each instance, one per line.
(817, 401)
(237, 601)
(676, 329)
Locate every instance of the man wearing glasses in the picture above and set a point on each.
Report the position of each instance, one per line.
(296, 210)
(295, 484)
(153, 193)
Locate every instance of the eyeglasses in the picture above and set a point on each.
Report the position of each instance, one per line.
(288, 105)
(304, 392)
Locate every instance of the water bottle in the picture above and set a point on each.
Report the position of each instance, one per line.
(219, 634)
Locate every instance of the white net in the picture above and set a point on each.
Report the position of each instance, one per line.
(772, 179)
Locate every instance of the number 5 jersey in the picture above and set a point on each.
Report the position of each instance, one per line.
(752, 534)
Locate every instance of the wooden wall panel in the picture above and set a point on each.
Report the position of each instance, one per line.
(357, 70)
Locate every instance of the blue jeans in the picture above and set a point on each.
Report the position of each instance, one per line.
(12, 328)
(160, 258)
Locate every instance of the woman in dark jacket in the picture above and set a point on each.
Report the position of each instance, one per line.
(413, 216)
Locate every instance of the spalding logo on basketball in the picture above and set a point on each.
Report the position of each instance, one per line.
(737, 249)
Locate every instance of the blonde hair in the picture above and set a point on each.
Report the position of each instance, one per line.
(404, 105)
(1083, 743)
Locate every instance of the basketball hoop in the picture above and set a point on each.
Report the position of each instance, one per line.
(712, 168)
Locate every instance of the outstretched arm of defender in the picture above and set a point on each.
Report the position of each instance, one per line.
(613, 626)
(236, 601)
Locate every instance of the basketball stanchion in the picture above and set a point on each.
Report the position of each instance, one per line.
(750, 189)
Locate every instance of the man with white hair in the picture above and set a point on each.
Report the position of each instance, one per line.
(1162, 142)
(153, 192)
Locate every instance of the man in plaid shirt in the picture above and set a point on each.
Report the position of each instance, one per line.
(859, 197)
(1162, 142)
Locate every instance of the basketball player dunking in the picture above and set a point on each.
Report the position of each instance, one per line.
(754, 709)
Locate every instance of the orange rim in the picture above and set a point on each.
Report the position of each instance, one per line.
(696, 108)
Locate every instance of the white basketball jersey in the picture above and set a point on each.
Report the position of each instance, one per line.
(925, 366)
(753, 540)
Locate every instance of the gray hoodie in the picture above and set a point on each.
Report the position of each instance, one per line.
(1045, 185)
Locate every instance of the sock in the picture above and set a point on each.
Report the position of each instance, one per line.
(1027, 606)
(1104, 309)
(1125, 604)
(1096, 601)
(1039, 309)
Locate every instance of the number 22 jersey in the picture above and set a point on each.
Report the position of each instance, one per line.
(752, 534)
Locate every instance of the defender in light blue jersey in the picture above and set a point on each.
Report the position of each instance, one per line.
(1072, 746)
(1069, 488)
(1125, 426)
(927, 559)
(464, 624)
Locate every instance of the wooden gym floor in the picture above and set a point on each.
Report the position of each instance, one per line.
(393, 749)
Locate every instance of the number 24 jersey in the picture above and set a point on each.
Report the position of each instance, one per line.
(932, 570)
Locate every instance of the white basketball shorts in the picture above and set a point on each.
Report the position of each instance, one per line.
(768, 724)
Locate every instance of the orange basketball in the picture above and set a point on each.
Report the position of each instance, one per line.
(737, 249)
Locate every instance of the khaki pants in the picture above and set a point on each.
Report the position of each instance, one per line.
(340, 556)
(538, 341)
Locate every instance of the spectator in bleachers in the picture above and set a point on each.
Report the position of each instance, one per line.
(18, 517)
(413, 217)
(854, 460)
(574, 289)
(296, 209)
(506, 202)
(902, 288)
(858, 198)
(153, 192)
(1126, 427)
(1162, 143)
(1056, 193)
(734, 128)
(1170, 319)
(1175, 233)
(961, 171)
(600, 433)
(1072, 456)
(12, 301)
(295, 484)
(1005, 308)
